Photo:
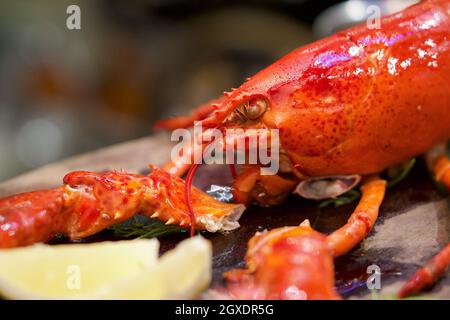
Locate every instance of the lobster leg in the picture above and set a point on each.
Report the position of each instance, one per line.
(244, 183)
(442, 171)
(362, 219)
(266, 190)
(428, 274)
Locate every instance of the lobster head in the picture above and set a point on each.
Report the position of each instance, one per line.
(311, 96)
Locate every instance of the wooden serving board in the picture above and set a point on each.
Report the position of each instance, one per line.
(414, 221)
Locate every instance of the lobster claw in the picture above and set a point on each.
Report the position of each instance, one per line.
(166, 201)
(293, 263)
(89, 202)
(31, 217)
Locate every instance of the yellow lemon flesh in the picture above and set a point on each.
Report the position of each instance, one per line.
(181, 273)
(106, 270)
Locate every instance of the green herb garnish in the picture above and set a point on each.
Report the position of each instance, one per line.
(138, 229)
(403, 174)
(346, 198)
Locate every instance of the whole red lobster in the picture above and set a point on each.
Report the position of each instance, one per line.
(346, 107)
(351, 105)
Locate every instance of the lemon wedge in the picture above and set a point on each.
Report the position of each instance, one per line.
(182, 273)
(71, 271)
(106, 270)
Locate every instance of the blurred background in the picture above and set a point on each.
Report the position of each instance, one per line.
(64, 92)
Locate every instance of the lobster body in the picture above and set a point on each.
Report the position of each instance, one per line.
(362, 100)
(353, 104)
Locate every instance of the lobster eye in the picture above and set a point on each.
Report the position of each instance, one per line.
(255, 109)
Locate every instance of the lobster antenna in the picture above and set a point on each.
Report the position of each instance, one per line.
(188, 187)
